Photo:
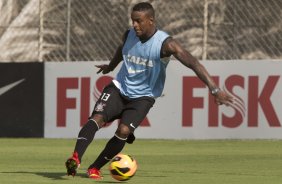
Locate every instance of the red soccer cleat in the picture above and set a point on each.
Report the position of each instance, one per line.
(94, 173)
(72, 164)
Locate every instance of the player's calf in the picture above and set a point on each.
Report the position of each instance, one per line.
(130, 139)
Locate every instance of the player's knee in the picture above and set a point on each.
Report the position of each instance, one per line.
(99, 120)
(123, 131)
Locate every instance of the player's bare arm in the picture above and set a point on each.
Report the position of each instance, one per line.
(172, 47)
(113, 63)
(115, 60)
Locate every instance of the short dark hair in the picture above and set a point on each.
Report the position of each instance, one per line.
(144, 6)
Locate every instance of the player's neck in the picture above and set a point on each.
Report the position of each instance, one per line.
(147, 37)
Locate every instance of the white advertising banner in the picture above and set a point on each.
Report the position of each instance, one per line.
(186, 110)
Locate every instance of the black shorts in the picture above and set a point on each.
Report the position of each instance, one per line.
(113, 105)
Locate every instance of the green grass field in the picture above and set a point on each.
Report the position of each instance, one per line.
(41, 161)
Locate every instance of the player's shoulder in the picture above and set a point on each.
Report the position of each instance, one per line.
(162, 32)
(125, 35)
(168, 46)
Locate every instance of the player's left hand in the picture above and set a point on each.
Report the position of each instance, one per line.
(103, 68)
(223, 98)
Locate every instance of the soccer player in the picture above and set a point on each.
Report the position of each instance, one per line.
(145, 53)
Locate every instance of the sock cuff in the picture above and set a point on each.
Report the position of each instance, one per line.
(123, 139)
(95, 123)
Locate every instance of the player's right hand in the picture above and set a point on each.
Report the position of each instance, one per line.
(103, 68)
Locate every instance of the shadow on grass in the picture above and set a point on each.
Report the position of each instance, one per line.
(58, 176)
(53, 176)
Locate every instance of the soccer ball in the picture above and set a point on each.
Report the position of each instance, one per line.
(123, 167)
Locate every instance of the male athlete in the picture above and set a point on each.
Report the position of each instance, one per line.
(145, 53)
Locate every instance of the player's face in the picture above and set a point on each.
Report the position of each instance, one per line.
(143, 24)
